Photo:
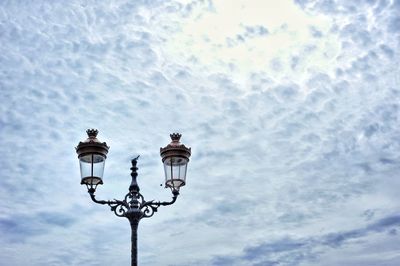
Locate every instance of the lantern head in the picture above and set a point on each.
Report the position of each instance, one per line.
(92, 156)
(175, 157)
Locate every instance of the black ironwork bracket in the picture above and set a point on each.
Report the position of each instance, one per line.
(133, 203)
(133, 206)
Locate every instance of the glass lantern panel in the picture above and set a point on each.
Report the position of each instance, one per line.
(92, 168)
(85, 165)
(175, 172)
(98, 165)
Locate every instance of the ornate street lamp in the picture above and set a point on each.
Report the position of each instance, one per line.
(175, 157)
(92, 155)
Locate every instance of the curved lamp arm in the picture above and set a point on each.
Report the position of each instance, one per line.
(119, 207)
(133, 202)
(148, 208)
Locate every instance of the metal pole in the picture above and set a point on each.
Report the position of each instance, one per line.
(134, 228)
(134, 214)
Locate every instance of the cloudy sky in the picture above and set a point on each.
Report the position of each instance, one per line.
(291, 109)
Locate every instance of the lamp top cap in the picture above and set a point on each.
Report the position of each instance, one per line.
(175, 148)
(92, 144)
(92, 133)
(175, 137)
(92, 136)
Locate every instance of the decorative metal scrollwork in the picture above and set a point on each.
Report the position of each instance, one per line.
(133, 202)
(148, 210)
(118, 207)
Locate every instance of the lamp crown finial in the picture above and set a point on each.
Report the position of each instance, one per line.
(175, 137)
(92, 133)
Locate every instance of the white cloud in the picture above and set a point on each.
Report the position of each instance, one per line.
(219, 39)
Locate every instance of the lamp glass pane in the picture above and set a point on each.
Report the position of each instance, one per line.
(92, 168)
(175, 172)
(98, 165)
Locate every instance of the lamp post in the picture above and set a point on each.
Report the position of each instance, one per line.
(92, 155)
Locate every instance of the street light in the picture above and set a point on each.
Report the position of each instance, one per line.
(92, 155)
(175, 157)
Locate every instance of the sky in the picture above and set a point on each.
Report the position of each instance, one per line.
(291, 108)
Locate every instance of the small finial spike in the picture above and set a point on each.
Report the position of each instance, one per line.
(92, 133)
(175, 137)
